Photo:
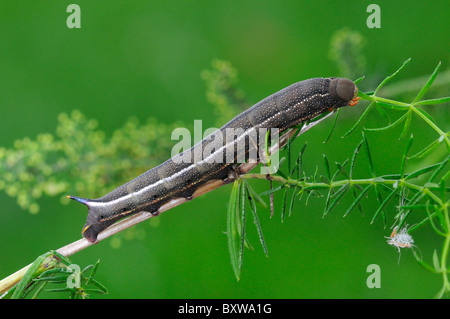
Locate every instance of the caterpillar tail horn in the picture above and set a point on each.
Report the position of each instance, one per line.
(94, 225)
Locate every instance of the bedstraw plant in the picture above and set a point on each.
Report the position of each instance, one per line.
(58, 164)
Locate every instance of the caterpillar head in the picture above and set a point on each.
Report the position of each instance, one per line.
(343, 91)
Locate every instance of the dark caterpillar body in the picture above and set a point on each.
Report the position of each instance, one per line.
(180, 176)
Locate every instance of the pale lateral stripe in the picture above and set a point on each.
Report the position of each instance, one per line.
(161, 181)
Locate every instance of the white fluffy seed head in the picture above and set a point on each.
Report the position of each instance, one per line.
(401, 239)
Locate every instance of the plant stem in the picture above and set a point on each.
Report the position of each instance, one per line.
(314, 185)
(432, 125)
(70, 249)
(444, 256)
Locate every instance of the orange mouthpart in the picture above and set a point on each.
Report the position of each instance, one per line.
(354, 101)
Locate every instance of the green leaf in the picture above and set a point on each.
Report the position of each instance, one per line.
(31, 273)
(405, 156)
(254, 196)
(382, 204)
(283, 205)
(422, 171)
(271, 191)
(422, 263)
(299, 162)
(341, 169)
(280, 173)
(38, 290)
(428, 84)
(353, 161)
(434, 101)
(102, 288)
(382, 112)
(289, 154)
(359, 79)
(232, 232)
(430, 218)
(428, 116)
(337, 196)
(242, 230)
(369, 157)
(427, 149)
(256, 220)
(394, 124)
(332, 126)
(291, 203)
(407, 124)
(362, 117)
(93, 272)
(357, 200)
(390, 77)
(439, 169)
(327, 167)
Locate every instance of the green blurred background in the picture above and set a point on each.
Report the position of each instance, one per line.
(144, 59)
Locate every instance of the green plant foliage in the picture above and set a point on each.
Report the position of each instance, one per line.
(422, 189)
(54, 269)
(77, 159)
(242, 198)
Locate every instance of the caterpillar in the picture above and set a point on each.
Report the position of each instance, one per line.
(176, 178)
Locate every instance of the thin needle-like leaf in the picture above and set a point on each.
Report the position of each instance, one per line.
(439, 169)
(256, 222)
(434, 101)
(439, 232)
(327, 167)
(427, 149)
(254, 195)
(394, 124)
(231, 229)
(359, 79)
(382, 112)
(428, 84)
(291, 204)
(242, 231)
(357, 200)
(271, 191)
(422, 171)
(337, 197)
(380, 201)
(369, 157)
(362, 117)
(407, 124)
(299, 162)
(428, 116)
(29, 275)
(332, 126)
(283, 205)
(383, 204)
(405, 156)
(387, 79)
(422, 263)
(353, 161)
